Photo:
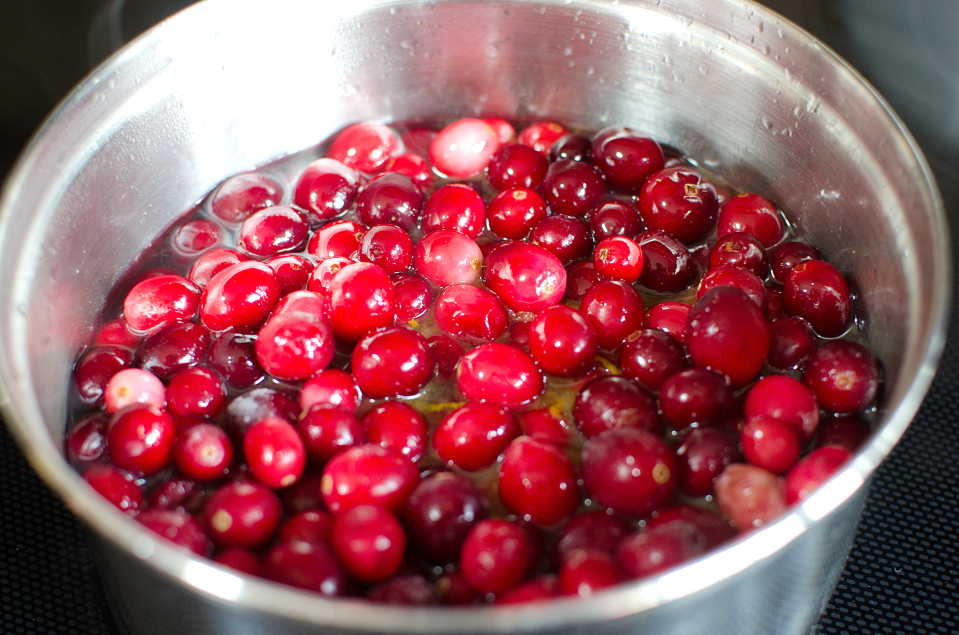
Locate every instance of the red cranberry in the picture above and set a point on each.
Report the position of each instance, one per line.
(716, 528)
(361, 301)
(368, 474)
(364, 146)
(87, 439)
(241, 195)
(753, 215)
(727, 332)
(514, 212)
(321, 278)
(547, 424)
(326, 189)
(659, 548)
(619, 258)
(749, 496)
(842, 375)
(178, 527)
(593, 530)
(412, 296)
(679, 201)
(544, 587)
(241, 295)
(446, 353)
(178, 493)
(294, 346)
(740, 250)
(369, 542)
(466, 311)
(339, 239)
(252, 406)
(95, 368)
(702, 456)
(629, 470)
(496, 555)
(311, 525)
(541, 135)
(306, 565)
(116, 486)
(392, 362)
(397, 426)
(203, 452)
(566, 237)
(669, 317)
(572, 188)
(454, 207)
(586, 571)
(404, 590)
(239, 559)
(615, 310)
(473, 436)
(730, 276)
(606, 403)
(463, 148)
(133, 386)
(499, 373)
(695, 395)
(140, 439)
(517, 165)
(211, 263)
(847, 431)
(614, 218)
(160, 301)
(233, 355)
(812, 471)
(413, 166)
(327, 430)
(790, 341)
(387, 246)
(668, 266)
(537, 482)
(116, 333)
(305, 494)
(275, 452)
(173, 348)
(196, 391)
(771, 444)
(504, 130)
(242, 514)
(572, 146)
(445, 258)
(786, 399)
(562, 341)
(818, 293)
(273, 231)
(196, 235)
(390, 199)
(627, 160)
(580, 278)
(440, 512)
(333, 387)
(787, 256)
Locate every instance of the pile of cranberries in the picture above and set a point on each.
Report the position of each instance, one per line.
(467, 365)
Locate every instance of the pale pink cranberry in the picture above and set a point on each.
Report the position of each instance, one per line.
(368, 474)
(585, 571)
(702, 456)
(241, 295)
(390, 199)
(594, 530)
(369, 542)
(397, 426)
(160, 301)
(541, 135)
(516, 165)
(87, 439)
(273, 231)
(305, 565)
(612, 402)
(446, 353)
(294, 346)
(525, 277)
(537, 482)
(311, 525)
(679, 201)
(473, 436)
(178, 527)
(413, 166)
(95, 368)
(241, 195)
(499, 373)
(790, 342)
(413, 296)
(695, 395)
(463, 310)
(364, 146)
(547, 424)
(842, 375)
(740, 250)
(669, 317)
(818, 293)
(615, 310)
(331, 386)
(196, 391)
(771, 444)
(211, 263)
(813, 470)
(327, 430)
(275, 452)
(196, 235)
(565, 237)
(784, 398)
(116, 486)
(202, 452)
(496, 555)
(233, 355)
(615, 218)
(650, 356)
(339, 239)
(116, 333)
(749, 496)
(463, 148)
(454, 207)
(440, 512)
(753, 215)
(392, 362)
(387, 246)
(323, 274)
(626, 159)
(326, 189)
(539, 589)
(572, 188)
(132, 386)
(736, 277)
(656, 549)
(618, 257)
(361, 301)
(239, 559)
(448, 257)
(514, 212)
(562, 341)
(140, 439)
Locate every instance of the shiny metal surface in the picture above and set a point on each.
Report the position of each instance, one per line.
(228, 85)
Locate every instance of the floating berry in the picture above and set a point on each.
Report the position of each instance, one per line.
(364, 146)
(326, 189)
(499, 373)
(463, 148)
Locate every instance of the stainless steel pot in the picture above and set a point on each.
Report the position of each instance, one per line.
(231, 84)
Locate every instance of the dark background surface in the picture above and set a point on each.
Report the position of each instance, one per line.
(901, 576)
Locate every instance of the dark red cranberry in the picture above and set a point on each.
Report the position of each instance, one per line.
(787, 256)
(774, 301)
(446, 353)
(716, 528)
(541, 135)
(364, 146)
(368, 474)
(519, 335)
(397, 426)
(239, 559)
(566, 237)
(305, 494)
(580, 278)
(547, 424)
(562, 341)
(843, 376)
(727, 332)
(668, 266)
(196, 235)
(516, 165)
(326, 189)
(160, 301)
(812, 471)
(572, 188)
(87, 439)
(332, 387)
(241, 295)
(440, 512)
(790, 341)
(95, 368)
(614, 218)
(392, 362)
(203, 452)
(679, 201)
(412, 296)
(387, 246)
(391, 199)
(786, 399)
(473, 436)
(751, 214)
(454, 207)
(404, 590)
(463, 148)
(669, 317)
(537, 482)
(339, 239)
(454, 590)
(586, 571)
(178, 493)
(740, 250)
(273, 231)
(252, 406)
(140, 439)
(233, 355)
(496, 555)
(173, 348)
(413, 166)
(695, 395)
(749, 496)
(369, 542)
(626, 159)
(445, 258)
(306, 565)
(311, 525)
(211, 263)
(463, 310)
(327, 430)
(612, 402)
(242, 514)
(846, 431)
(818, 293)
(629, 470)
(499, 373)
(196, 391)
(659, 548)
(361, 301)
(615, 310)
(771, 444)
(241, 195)
(116, 486)
(572, 146)
(702, 456)
(594, 530)
(514, 212)
(731, 276)
(619, 258)
(178, 527)
(275, 452)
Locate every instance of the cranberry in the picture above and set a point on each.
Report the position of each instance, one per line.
(786, 399)
(454, 207)
(540, 588)
(787, 256)
(818, 293)
(326, 189)
(562, 341)
(292, 272)
(275, 452)
(812, 471)
(702, 456)
(595, 530)
(364, 146)
(606, 403)
(252, 406)
(517, 165)
(369, 542)
(178, 527)
(496, 555)
(753, 215)
(668, 266)
(771, 444)
(626, 159)
(294, 346)
(211, 263)
(842, 375)
(239, 559)
(790, 341)
(749, 496)
(846, 431)
(387, 246)
(160, 301)
(727, 332)
(173, 348)
(339, 239)
(499, 373)
(311, 525)
(504, 130)
(615, 310)
(412, 296)
(116, 333)
(397, 426)
(586, 571)
(116, 486)
(87, 439)
(390, 199)
(463, 148)
(572, 188)
(405, 590)
(327, 430)
(178, 493)
(446, 257)
(196, 235)
(614, 218)
(446, 353)
(514, 212)
(716, 528)
(473, 436)
(669, 317)
(542, 135)
(241, 195)
(196, 391)
(466, 311)
(618, 257)
(566, 237)
(361, 301)
(440, 512)
(659, 548)
(333, 387)
(418, 140)
(133, 386)
(305, 494)
(392, 362)
(629, 470)
(322, 277)
(679, 201)
(547, 424)
(241, 295)
(571, 146)
(537, 482)
(730, 276)
(203, 452)
(695, 395)
(368, 474)
(740, 250)
(412, 165)
(233, 355)
(140, 439)
(273, 231)
(306, 565)
(95, 368)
